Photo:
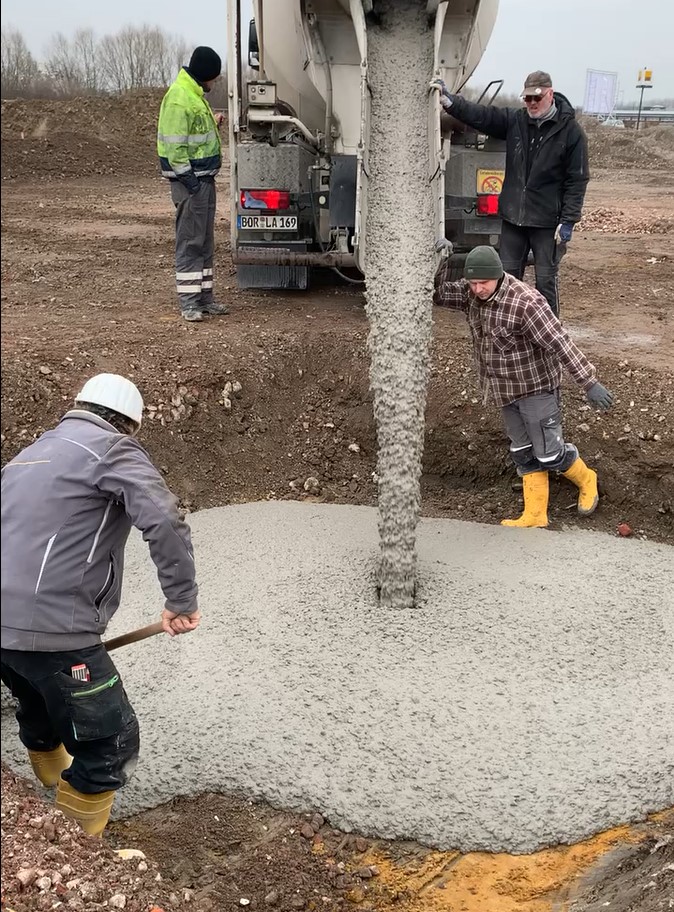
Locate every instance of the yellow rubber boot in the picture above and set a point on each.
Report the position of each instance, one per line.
(536, 493)
(48, 765)
(586, 481)
(92, 812)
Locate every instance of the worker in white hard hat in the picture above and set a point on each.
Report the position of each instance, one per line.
(68, 503)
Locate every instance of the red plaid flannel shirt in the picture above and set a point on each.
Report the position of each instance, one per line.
(518, 343)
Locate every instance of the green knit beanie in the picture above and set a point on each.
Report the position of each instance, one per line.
(482, 263)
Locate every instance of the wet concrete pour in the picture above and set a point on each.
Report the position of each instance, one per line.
(526, 701)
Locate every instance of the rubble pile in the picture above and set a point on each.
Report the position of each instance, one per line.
(48, 862)
(650, 149)
(615, 221)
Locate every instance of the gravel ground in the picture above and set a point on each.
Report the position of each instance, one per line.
(527, 701)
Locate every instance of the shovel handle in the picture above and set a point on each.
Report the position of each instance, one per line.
(133, 636)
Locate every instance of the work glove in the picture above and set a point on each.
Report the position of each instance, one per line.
(564, 232)
(445, 97)
(444, 247)
(600, 397)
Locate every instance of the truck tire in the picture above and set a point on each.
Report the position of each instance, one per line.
(455, 268)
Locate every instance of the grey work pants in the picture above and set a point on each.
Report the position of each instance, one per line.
(516, 242)
(195, 224)
(534, 426)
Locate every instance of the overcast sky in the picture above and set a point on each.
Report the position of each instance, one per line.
(565, 37)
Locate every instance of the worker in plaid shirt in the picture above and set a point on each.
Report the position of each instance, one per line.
(520, 348)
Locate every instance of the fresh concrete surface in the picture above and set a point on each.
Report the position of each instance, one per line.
(528, 700)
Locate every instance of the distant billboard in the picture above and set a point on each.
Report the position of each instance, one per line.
(601, 89)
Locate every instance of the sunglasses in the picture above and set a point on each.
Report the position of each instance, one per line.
(530, 99)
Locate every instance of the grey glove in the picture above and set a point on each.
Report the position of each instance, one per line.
(600, 397)
(445, 97)
(444, 247)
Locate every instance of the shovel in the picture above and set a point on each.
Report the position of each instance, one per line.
(134, 636)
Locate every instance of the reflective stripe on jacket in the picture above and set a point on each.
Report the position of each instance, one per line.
(188, 140)
(68, 503)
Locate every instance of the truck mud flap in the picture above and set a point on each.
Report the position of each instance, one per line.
(291, 277)
(262, 266)
(283, 267)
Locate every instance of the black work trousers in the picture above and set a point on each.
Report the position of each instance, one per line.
(516, 242)
(93, 719)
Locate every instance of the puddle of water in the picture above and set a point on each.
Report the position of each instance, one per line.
(615, 338)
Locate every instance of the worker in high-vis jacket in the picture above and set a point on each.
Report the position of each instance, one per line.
(68, 503)
(190, 155)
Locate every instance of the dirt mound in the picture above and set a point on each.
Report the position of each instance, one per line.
(616, 221)
(80, 136)
(243, 853)
(48, 861)
(660, 137)
(609, 147)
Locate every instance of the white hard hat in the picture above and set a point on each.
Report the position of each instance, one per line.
(113, 392)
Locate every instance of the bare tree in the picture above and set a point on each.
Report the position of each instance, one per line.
(61, 65)
(133, 58)
(19, 71)
(86, 48)
(137, 58)
(72, 66)
(176, 54)
(112, 64)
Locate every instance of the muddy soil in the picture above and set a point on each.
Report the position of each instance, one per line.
(220, 852)
(87, 285)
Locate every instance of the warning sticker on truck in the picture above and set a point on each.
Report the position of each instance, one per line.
(489, 180)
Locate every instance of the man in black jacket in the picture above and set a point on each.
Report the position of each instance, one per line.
(545, 178)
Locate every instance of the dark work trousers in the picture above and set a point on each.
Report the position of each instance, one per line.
(534, 426)
(195, 242)
(93, 719)
(516, 242)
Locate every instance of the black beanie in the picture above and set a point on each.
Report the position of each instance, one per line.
(205, 64)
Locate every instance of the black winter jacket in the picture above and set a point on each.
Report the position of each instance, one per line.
(555, 187)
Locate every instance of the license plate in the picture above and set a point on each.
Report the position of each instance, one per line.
(268, 222)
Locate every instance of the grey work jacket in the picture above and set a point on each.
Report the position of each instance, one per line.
(68, 503)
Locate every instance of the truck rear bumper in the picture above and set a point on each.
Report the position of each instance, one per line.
(284, 256)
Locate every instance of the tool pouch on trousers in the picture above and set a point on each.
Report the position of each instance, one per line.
(97, 709)
(551, 429)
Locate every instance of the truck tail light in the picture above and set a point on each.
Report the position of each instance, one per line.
(487, 204)
(264, 199)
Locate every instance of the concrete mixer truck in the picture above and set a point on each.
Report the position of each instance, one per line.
(299, 122)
